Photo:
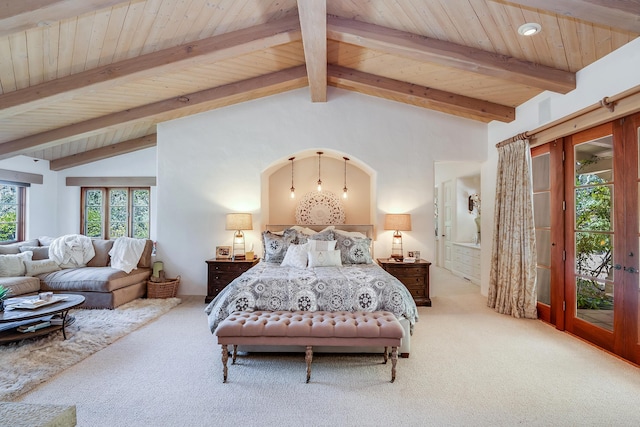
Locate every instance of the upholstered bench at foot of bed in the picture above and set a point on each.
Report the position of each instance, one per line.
(309, 328)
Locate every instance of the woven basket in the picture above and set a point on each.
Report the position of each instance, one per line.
(166, 289)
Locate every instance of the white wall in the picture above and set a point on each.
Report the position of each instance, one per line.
(609, 76)
(210, 164)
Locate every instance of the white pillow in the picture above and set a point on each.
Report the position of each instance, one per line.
(324, 259)
(13, 265)
(356, 234)
(322, 245)
(296, 256)
(40, 266)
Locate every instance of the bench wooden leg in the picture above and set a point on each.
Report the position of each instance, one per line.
(225, 358)
(386, 355)
(394, 360)
(308, 357)
(235, 353)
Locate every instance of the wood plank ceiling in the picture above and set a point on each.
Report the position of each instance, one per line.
(83, 80)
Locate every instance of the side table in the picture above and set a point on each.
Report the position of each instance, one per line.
(221, 272)
(414, 275)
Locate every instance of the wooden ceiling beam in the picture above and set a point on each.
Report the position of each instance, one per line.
(448, 54)
(616, 14)
(21, 15)
(231, 93)
(105, 152)
(421, 96)
(213, 49)
(313, 22)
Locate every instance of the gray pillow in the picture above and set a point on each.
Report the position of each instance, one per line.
(39, 252)
(14, 248)
(354, 250)
(323, 235)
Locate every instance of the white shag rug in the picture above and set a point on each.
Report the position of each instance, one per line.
(27, 363)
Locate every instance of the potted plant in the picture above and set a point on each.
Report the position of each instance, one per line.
(4, 294)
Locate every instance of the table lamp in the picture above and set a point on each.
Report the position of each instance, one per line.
(397, 223)
(239, 222)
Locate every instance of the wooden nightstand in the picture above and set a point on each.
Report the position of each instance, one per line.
(222, 271)
(415, 277)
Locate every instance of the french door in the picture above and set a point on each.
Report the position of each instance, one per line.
(602, 236)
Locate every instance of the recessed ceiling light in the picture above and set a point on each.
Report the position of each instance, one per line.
(529, 29)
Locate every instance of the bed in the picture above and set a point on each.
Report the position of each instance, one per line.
(289, 277)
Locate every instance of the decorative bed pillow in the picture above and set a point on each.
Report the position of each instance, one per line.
(326, 234)
(354, 250)
(324, 259)
(41, 266)
(275, 246)
(39, 252)
(13, 265)
(296, 256)
(322, 245)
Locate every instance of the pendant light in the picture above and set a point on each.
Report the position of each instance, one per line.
(320, 153)
(293, 190)
(344, 190)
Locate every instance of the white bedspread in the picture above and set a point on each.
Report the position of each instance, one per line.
(71, 250)
(126, 253)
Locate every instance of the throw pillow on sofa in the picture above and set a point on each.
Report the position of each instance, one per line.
(39, 252)
(101, 248)
(41, 266)
(13, 265)
(14, 248)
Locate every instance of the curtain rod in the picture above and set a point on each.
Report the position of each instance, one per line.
(607, 102)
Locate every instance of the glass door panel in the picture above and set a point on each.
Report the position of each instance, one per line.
(593, 231)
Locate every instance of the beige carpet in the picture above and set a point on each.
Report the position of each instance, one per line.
(469, 366)
(27, 363)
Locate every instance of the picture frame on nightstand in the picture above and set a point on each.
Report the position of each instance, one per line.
(223, 252)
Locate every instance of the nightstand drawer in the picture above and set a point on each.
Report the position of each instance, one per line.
(417, 291)
(414, 270)
(412, 281)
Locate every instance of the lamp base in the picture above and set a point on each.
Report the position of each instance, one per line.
(397, 257)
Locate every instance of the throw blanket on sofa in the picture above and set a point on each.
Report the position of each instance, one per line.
(126, 253)
(71, 250)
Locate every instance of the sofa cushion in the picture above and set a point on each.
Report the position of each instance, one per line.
(14, 248)
(101, 248)
(33, 268)
(12, 265)
(45, 240)
(20, 285)
(91, 279)
(145, 258)
(39, 252)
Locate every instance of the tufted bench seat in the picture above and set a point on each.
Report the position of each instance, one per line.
(309, 328)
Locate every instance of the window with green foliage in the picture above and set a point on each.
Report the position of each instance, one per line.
(11, 212)
(109, 213)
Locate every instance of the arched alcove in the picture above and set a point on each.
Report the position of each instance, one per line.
(280, 208)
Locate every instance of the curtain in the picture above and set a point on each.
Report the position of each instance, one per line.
(512, 282)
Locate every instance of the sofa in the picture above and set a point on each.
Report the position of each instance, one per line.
(100, 284)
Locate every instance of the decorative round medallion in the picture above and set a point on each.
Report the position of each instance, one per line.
(320, 208)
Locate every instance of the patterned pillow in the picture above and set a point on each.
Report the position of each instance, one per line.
(275, 246)
(41, 266)
(324, 259)
(354, 250)
(296, 256)
(325, 234)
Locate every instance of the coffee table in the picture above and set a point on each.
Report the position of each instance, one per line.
(20, 314)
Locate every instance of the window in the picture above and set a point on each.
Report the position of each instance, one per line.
(108, 213)
(12, 212)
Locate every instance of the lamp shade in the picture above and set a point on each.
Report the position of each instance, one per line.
(239, 221)
(400, 222)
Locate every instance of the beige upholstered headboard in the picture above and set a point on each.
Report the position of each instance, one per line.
(366, 229)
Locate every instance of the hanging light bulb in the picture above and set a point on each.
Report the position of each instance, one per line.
(320, 153)
(293, 190)
(344, 190)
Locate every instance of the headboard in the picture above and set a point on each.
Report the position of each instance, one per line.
(366, 229)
